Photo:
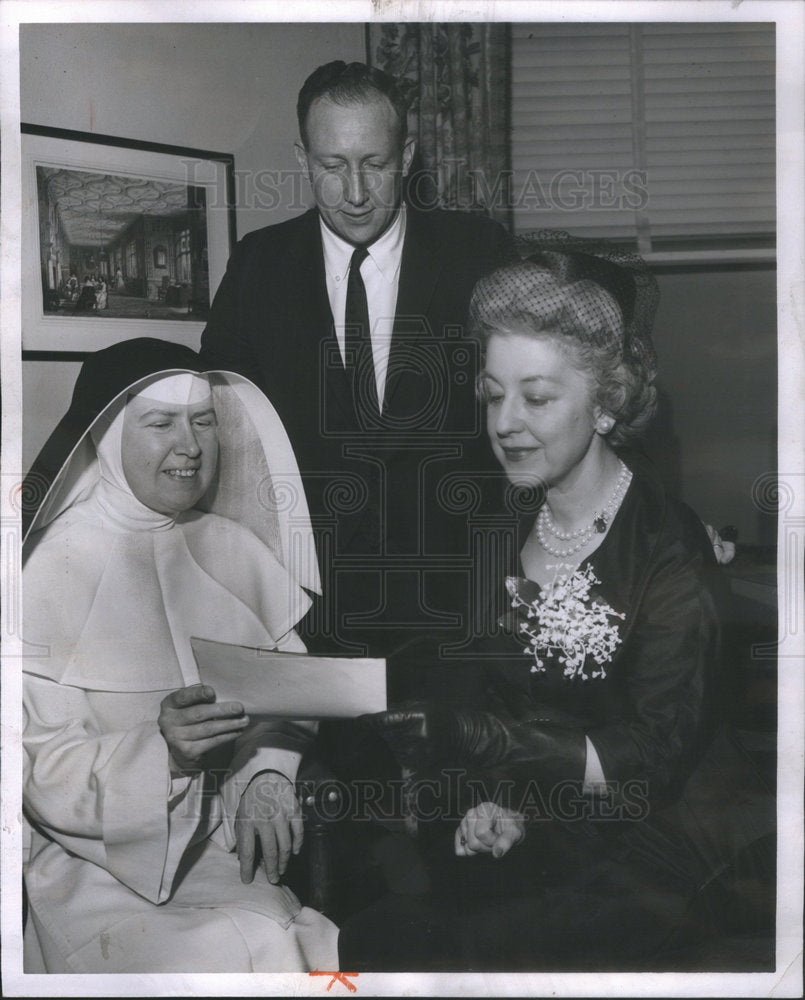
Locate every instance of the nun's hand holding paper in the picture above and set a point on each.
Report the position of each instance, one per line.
(193, 724)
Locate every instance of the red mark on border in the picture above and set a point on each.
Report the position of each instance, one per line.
(339, 977)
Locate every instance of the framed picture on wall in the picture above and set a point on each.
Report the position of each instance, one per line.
(121, 238)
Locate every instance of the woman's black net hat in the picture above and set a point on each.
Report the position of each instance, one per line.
(622, 273)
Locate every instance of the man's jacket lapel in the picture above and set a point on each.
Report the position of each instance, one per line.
(408, 381)
(316, 327)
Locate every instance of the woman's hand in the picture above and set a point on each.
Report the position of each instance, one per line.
(724, 551)
(268, 812)
(193, 723)
(489, 829)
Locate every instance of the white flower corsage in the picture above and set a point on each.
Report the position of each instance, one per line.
(564, 618)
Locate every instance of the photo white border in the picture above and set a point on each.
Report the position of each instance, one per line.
(787, 980)
(43, 331)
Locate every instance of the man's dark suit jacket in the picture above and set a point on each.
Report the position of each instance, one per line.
(389, 510)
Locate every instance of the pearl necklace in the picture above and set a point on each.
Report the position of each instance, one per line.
(599, 523)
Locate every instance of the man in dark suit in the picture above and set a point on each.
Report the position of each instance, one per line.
(351, 318)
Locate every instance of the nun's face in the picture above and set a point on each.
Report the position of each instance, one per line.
(169, 452)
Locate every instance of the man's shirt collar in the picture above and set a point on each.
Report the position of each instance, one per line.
(386, 251)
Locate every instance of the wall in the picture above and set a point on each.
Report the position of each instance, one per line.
(716, 430)
(232, 87)
(225, 87)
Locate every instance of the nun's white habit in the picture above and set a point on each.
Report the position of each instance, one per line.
(131, 869)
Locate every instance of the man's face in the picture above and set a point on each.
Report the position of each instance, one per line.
(355, 163)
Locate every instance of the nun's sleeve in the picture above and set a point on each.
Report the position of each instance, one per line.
(270, 745)
(106, 797)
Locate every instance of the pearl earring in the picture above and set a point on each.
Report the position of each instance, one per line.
(605, 425)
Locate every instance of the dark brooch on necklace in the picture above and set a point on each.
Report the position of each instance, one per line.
(600, 524)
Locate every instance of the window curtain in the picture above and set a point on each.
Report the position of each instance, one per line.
(456, 77)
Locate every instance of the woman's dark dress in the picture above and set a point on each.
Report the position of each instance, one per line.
(86, 299)
(606, 885)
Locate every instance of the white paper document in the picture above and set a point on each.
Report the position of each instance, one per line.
(292, 685)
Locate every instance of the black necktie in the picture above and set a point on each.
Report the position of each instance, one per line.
(358, 357)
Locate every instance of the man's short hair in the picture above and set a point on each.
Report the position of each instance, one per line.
(350, 83)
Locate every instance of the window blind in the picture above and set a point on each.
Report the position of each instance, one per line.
(659, 134)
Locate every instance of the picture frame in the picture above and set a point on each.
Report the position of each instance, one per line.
(121, 238)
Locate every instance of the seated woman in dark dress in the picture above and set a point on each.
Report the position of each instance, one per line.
(86, 300)
(599, 788)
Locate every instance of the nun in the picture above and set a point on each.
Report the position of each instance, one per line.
(161, 819)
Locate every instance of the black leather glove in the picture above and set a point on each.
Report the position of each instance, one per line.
(423, 736)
